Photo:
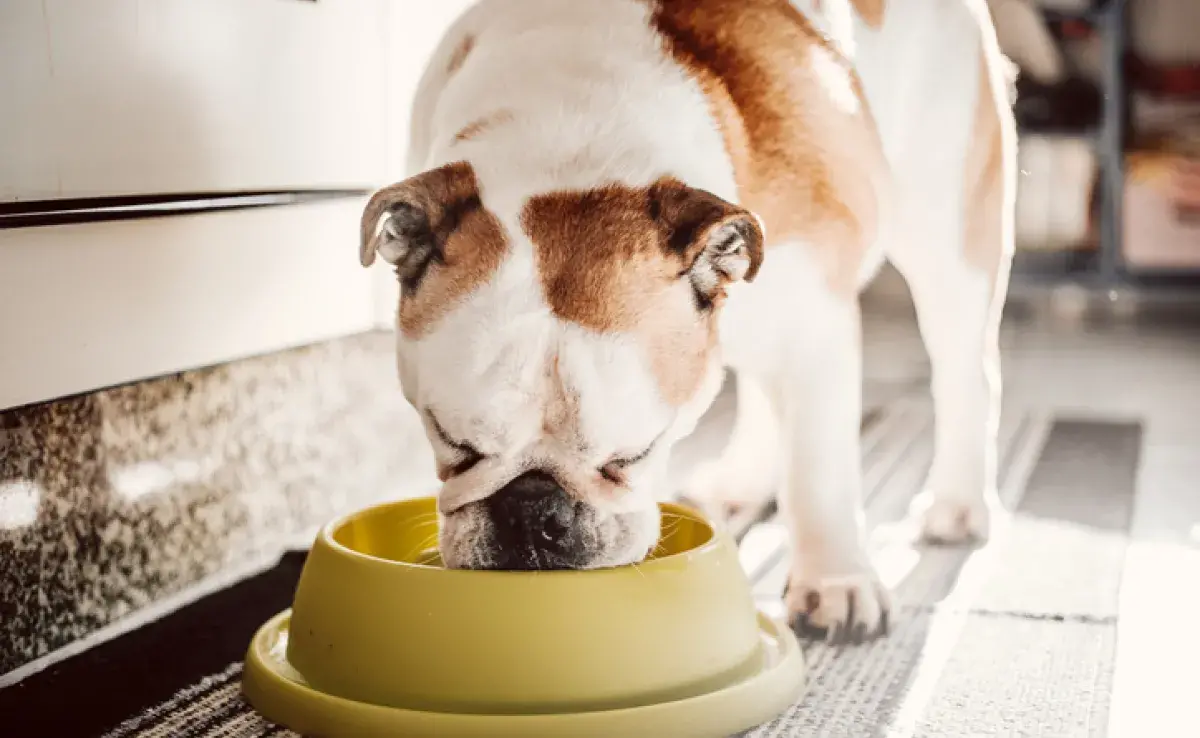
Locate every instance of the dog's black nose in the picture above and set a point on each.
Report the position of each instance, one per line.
(533, 520)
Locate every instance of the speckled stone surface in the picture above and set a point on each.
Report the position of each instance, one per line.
(113, 500)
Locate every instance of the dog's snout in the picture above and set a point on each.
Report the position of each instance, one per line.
(533, 518)
(533, 506)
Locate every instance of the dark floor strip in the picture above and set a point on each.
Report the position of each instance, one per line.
(190, 695)
(1086, 475)
(91, 693)
(164, 711)
(214, 720)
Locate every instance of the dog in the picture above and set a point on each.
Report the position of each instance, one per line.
(611, 202)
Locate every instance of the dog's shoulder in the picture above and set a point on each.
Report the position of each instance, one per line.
(792, 112)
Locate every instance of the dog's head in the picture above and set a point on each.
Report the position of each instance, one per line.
(556, 349)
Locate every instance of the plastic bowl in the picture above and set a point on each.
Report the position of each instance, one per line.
(378, 622)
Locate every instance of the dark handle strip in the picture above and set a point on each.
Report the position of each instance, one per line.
(40, 213)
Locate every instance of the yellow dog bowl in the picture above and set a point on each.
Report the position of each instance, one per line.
(382, 640)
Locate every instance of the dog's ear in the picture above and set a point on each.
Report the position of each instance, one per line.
(407, 223)
(718, 241)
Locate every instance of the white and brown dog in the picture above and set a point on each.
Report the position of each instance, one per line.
(614, 200)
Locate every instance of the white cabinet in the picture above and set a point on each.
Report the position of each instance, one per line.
(114, 97)
(151, 97)
(87, 306)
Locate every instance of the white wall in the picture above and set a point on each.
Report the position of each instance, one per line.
(109, 97)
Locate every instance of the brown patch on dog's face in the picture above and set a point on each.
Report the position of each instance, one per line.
(480, 125)
(624, 260)
(461, 52)
(441, 239)
(791, 110)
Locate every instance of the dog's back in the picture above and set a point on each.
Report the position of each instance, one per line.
(569, 95)
(823, 107)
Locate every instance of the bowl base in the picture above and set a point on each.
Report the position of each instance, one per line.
(282, 696)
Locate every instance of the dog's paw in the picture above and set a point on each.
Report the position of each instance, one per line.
(953, 520)
(838, 610)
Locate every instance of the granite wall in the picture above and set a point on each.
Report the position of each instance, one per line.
(113, 500)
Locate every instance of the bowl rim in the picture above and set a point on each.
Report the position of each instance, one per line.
(716, 541)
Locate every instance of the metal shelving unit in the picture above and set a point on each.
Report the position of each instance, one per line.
(1112, 26)
(1104, 268)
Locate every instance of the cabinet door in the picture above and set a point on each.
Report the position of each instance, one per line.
(91, 305)
(118, 97)
(147, 98)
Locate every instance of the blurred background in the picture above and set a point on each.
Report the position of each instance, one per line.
(195, 372)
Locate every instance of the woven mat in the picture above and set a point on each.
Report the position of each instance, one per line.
(1016, 638)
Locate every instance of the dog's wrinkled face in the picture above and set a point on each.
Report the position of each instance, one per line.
(556, 353)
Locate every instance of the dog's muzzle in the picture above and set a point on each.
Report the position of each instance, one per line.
(535, 525)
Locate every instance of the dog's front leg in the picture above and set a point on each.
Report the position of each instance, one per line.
(833, 592)
(746, 474)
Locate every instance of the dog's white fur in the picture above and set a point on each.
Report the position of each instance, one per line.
(587, 82)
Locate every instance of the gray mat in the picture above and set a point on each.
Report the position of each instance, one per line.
(1014, 639)
(1019, 643)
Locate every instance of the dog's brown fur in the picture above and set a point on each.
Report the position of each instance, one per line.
(471, 240)
(804, 164)
(461, 52)
(606, 261)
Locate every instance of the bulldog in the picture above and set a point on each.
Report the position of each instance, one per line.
(611, 202)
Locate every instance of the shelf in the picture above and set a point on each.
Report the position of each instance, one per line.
(1180, 278)
(1103, 267)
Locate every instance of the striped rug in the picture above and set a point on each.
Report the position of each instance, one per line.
(1015, 638)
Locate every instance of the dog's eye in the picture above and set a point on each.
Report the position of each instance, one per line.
(614, 470)
(470, 459)
(469, 455)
